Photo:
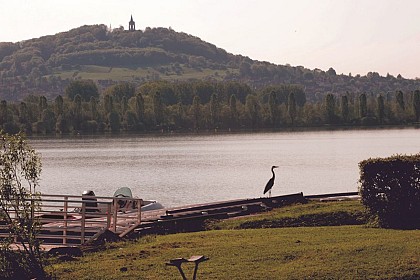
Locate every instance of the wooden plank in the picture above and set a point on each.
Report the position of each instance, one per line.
(331, 195)
(229, 203)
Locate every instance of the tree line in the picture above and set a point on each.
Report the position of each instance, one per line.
(200, 106)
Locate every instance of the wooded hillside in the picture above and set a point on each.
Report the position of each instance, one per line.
(46, 65)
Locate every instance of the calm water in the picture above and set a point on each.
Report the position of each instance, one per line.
(187, 169)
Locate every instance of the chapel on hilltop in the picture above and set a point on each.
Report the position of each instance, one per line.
(131, 24)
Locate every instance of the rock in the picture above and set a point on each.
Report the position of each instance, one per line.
(67, 251)
(103, 237)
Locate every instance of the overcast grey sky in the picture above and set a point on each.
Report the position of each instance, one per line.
(352, 36)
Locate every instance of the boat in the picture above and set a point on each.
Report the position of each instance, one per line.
(146, 205)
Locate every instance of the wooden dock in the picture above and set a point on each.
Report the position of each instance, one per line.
(74, 220)
(192, 217)
(62, 226)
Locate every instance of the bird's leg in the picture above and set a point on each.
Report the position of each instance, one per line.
(269, 193)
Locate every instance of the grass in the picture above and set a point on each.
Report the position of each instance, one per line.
(311, 214)
(333, 252)
(131, 74)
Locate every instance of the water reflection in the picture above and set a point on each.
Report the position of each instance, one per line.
(189, 169)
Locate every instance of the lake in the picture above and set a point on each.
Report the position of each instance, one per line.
(187, 169)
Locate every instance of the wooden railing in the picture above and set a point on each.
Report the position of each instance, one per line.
(67, 219)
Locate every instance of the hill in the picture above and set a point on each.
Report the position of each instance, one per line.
(46, 65)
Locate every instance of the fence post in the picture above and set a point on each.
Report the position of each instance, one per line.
(139, 201)
(108, 216)
(114, 201)
(65, 209)
(83, 223)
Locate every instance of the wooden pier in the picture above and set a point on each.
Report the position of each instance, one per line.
(192, 217)
(76, 220)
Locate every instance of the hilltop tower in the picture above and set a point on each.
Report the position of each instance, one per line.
(131, 24)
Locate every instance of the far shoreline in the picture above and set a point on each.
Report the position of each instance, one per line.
(208, 132)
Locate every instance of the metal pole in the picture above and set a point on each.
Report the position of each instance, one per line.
(182, 272)
(195, 271)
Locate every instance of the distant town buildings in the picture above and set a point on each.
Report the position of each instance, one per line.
(131, 24)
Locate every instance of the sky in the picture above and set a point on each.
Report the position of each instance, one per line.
(351, 36)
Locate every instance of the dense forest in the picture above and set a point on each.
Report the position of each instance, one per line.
(199, 106)
(47, 65)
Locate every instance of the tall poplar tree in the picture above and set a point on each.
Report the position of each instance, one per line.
(400, 100)
(196, 111)
(42, 105)
(158, 108)
(291, 107)
(93, 104)
(59, 105)
(252, 107)
(416, 104)
(108, 104)
(233, 111)
(330, 108)
(362, 105)
(140, 107)
(77, 112)
(272, 108)
(381, 108)
(214, 110)
(345, 108)
(3, 112)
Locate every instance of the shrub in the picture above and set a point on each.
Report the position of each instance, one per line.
(390, 189)
(20, 168)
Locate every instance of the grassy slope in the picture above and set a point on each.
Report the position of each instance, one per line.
(338, 252)
(311, 214)
(129, 74)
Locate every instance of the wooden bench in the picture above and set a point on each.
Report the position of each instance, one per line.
(179, 261)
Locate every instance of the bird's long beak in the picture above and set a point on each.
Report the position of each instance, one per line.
(275, 166)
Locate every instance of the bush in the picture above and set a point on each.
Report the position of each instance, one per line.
(390, 189)
(19, 176)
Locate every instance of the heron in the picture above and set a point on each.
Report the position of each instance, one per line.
(270, 182)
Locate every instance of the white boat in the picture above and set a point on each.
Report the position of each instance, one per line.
(146, 205)
(125, 202)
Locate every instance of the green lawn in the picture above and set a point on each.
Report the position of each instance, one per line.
(131, 74)
(333, 252)
(310, 214)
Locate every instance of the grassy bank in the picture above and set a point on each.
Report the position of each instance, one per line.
(301, 215)
(318, 252)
